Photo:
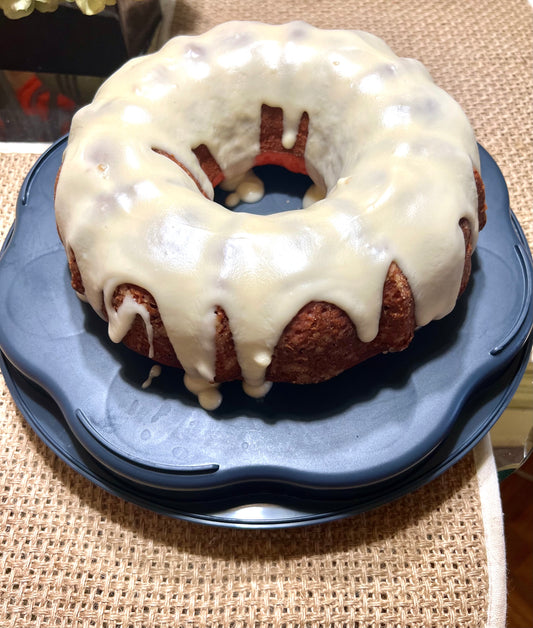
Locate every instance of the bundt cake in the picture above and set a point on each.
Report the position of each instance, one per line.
(297, 296)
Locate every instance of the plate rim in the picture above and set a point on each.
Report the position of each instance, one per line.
(24, 200)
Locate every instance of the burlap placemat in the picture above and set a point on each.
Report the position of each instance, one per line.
(72, 555)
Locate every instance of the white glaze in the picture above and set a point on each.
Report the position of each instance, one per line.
(120, 320)
(247, 188)
(313, 194)
(155, 371)
(394, 152)
(207, 392)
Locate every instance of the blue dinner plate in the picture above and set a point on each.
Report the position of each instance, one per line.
(379, 425)
(263, 505)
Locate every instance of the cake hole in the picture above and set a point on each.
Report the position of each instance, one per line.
(283, 191)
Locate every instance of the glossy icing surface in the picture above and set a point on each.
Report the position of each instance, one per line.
(394, 152)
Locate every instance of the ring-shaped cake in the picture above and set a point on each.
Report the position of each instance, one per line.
(298, 296)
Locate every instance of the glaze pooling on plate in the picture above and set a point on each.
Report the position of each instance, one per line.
(394, 152)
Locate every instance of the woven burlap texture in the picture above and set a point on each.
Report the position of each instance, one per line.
(73, 555)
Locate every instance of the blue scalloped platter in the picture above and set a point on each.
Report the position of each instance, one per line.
(375, 426)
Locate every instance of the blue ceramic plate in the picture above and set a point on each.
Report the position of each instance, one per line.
(264, 505)
(372, 425)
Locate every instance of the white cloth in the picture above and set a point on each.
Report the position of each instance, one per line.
(491, 507)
